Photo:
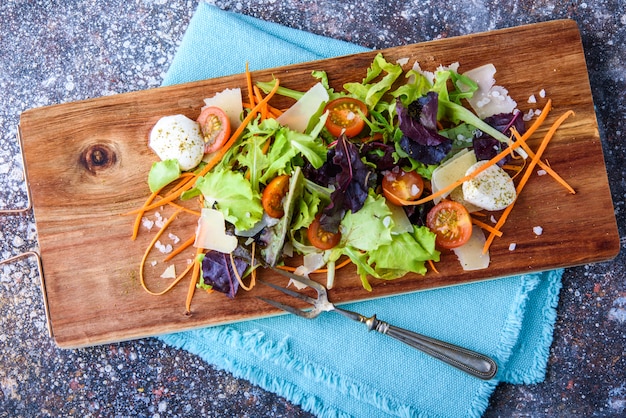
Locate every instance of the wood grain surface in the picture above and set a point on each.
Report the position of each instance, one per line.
(87, 165)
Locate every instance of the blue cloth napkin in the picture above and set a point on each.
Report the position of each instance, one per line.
(332, 366)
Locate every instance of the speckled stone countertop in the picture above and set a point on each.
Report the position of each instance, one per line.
(54, 51)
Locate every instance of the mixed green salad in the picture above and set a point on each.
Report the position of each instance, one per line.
(358, 174)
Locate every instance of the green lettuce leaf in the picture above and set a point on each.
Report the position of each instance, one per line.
(369, 227)
(163, 173)
(406, 253)
(232, 195)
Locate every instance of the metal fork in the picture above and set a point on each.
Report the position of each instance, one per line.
(476, 364)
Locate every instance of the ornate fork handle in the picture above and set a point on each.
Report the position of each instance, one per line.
(476, 364)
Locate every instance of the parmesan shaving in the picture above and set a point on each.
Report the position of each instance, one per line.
(169, 273)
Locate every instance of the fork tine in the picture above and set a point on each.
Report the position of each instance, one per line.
(305, 314)
(290, 292)
(301, 279)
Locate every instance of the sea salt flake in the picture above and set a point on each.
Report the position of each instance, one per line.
(175, 239)
(147, 223)
(512, 246)
(160, 222)
(541, 172)
(532, 99)
(528, 115)
(164, 248)
(537, 230)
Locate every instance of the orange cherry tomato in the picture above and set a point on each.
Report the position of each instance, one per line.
(451, 223)
(215, 128)
(320, 238)
(344, 116)
(399, 185)
(273, 195)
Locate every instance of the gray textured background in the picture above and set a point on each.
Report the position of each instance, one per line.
(59, 51)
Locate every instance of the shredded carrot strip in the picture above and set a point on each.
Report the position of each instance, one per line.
(526, 176)
(545, 166)
(486, 227)
(512, 167)
(249, 85)
(141, 211)
(180, 248)
(184, 209)
(195, 274)
(167, 198)
(185, 175)
(259, 99)
(140, 214)
(432, 266)
(275, 113)
(171, 286)
(238, 276)
(271, 110)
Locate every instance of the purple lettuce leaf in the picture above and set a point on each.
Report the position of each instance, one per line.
(418, 123)
(351, 183)
(217, 271)
(379, 154)
(486, 147)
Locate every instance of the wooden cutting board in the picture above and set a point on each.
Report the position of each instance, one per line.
(88, 161)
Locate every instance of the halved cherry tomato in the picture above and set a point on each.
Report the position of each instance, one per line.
(451, 222)
(215, 127)
(320, 238)
(344, 116)
(401, 185)
(273, 195)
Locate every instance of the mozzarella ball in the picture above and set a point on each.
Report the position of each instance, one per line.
(178, 137)
(492, 189)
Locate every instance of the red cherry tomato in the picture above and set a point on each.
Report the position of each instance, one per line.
(399, 185)
(215, 127)
(320, 238)
(451, 223)
(344, 116)
(273, 195)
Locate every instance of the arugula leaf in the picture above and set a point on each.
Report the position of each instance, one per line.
(267, 86)
(370, 93)
(412, 90)
(288, 144)
(450, 107)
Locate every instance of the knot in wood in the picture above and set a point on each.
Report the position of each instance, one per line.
(98, 157)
